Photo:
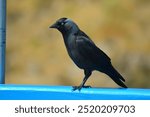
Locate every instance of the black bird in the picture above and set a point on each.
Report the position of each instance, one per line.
(85, 54)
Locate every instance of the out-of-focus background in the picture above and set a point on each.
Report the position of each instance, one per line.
(37, 55)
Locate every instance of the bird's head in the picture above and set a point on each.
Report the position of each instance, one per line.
(65, 25)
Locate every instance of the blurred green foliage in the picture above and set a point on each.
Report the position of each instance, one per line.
(37, 55)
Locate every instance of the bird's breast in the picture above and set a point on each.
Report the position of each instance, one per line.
(74, 53)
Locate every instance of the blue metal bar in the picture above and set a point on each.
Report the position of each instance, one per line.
(34, 92)
(2, 40)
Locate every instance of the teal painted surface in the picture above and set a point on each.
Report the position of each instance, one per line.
(2, 39)
(34, 92)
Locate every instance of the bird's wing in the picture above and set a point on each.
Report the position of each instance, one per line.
(91, 52)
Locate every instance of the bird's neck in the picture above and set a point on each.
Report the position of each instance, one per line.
(65, 34)
(66, 37)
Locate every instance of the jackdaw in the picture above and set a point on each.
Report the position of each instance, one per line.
(84, 53)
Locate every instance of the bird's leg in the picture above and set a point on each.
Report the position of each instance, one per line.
(87, 75)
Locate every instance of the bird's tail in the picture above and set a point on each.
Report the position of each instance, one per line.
(116, 77)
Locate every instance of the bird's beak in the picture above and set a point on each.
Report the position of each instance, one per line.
(53, 26)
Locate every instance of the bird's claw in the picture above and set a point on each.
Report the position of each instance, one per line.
(76, 88)
(79, 87)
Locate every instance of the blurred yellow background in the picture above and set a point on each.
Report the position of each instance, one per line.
(37, 54)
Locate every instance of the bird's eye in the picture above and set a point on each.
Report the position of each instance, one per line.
(62, 23)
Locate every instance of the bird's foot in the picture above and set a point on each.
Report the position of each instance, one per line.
(79, 87)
